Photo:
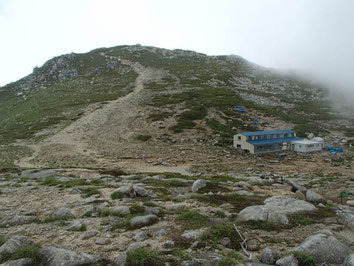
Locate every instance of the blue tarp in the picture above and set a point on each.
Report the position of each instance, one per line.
(256, 123)
(239, 106)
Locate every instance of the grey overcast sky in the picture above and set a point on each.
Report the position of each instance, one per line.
(316, 36)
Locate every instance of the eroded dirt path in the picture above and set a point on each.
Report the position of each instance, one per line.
(75, 139)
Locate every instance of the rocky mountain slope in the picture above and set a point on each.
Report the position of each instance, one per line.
(145, 103)
(123, 156)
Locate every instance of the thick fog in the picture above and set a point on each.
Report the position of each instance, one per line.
(310, 36)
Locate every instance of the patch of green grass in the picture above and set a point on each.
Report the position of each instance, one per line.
(191, 219)
(52, 181)
(96, 182)
(124, 224)
(60, 220)
(149, 203)
(166, 183)
(31, 251)
(136, 208)
(220, 214)
(160, 116)
(83, 228)
(305, 259)
(239, 202)
(306, 218)
(113, 172)
(144, 257)
(2, 240)
(218, 231)
(143, 137)
(226, 262)
(90, 191)
(117, 195)
(263, 225)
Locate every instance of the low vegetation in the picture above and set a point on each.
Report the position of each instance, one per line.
(144, 257)
(191, 219)
(217, 232)
(305, 259)
(239, 202)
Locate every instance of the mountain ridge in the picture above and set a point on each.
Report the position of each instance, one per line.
(184, 99)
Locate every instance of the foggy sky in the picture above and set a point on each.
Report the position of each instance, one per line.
(315, 36)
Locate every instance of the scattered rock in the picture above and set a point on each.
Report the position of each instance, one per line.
(17, 220)
(326, 249)
(63, 213)
(122, 210)
(103, 241)
(289, 260)
(349, 261)
(142, 192)
(88, 235)
(275, 209)
(192, 235)
(198, 185)
(13, 244)
(141, 236)
(300, 195)
(152, 210)
(226, 242)
(74, 226)
(168, 244)
(128, 190)
(314, 197)
(347, 215)
(294, 186)
(252, 245)
(55, 255)
(19, 262)
(38, 173)
(267, 256)
(141, 221)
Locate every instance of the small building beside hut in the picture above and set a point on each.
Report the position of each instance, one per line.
(305, 145)
(257, 142)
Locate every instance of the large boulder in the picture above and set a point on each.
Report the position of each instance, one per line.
(121, 210)
(198, 185)
(63, 213)
(38, 173)
(349, 261)
(275, 209)
(17, 220)
(141, 221)
(128, 190)
(288, 260)
(55, 255)
(12, 245)
(346, 213)
(325, 248)
(19, 262)
(294, 186)
(314, 197)
(267, 256)
(140, 191)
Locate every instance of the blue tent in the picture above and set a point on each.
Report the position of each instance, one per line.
(239, 106)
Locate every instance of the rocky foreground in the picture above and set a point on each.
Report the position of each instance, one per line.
(108, 217)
